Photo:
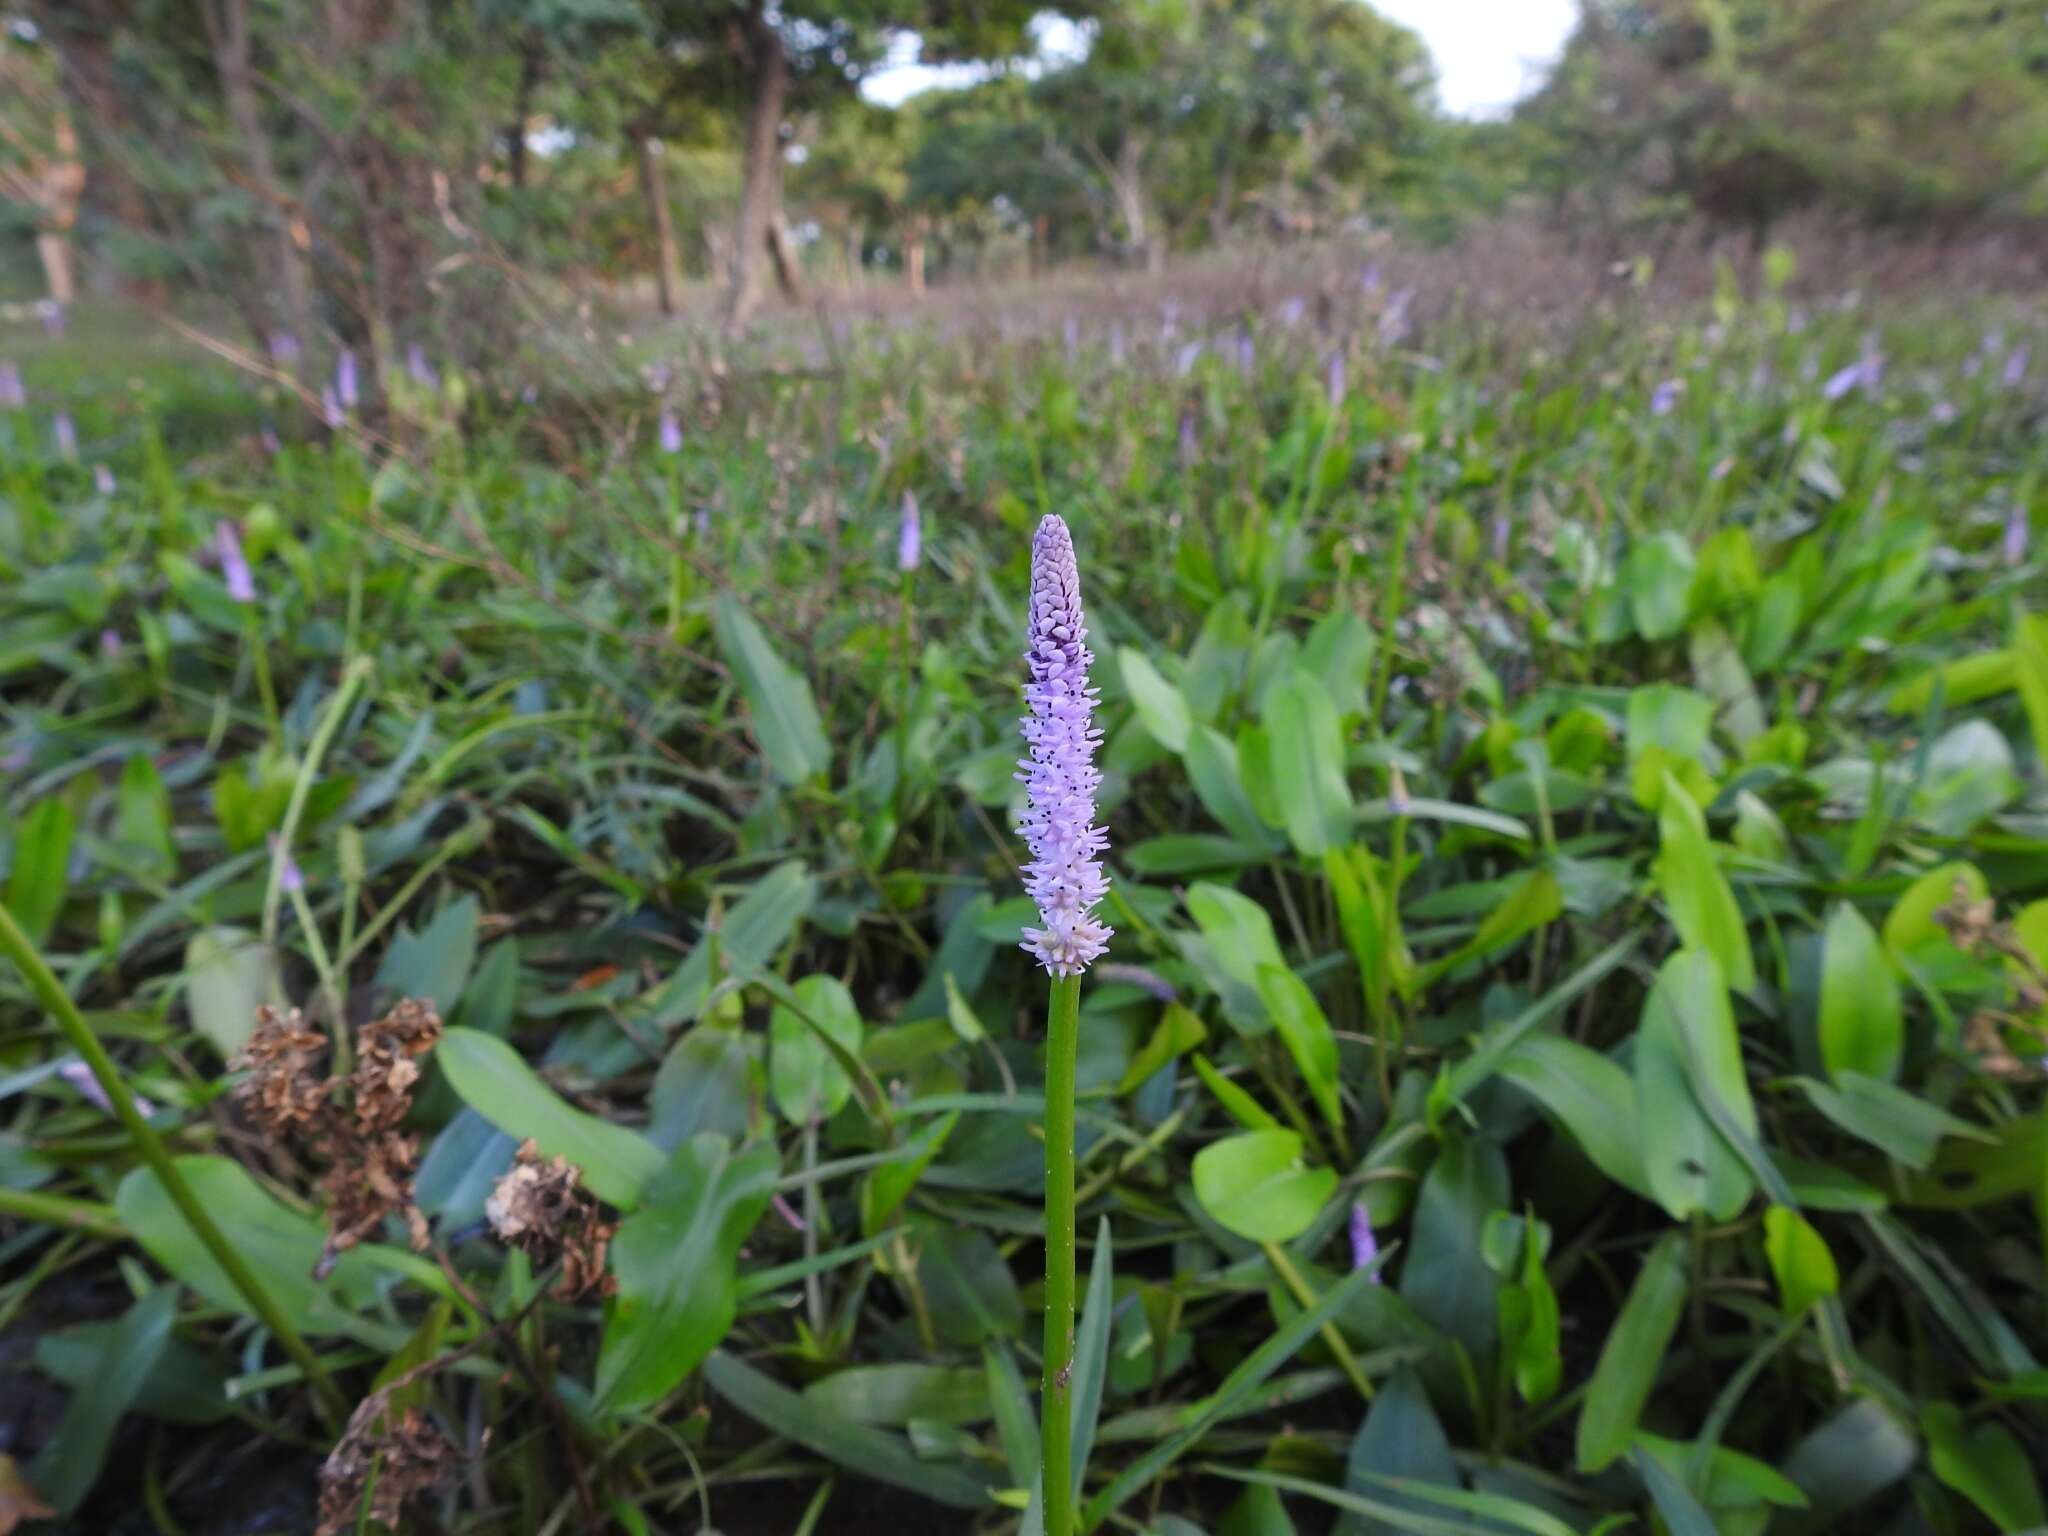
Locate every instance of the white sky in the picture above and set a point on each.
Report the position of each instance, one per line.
(1488, 52)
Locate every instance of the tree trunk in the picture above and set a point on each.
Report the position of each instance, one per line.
(767, 69)
(913, 256)
(54, 247)
(668, 261)
(227, 28)
(1041, 244)
(782, 247)
(83, 35)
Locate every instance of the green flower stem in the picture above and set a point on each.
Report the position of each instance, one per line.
(1307, 1298)
(42, 981)
(357, 672)
(1056, 1423)
(57, 1211)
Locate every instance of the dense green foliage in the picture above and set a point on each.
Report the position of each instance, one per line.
(1582, 807)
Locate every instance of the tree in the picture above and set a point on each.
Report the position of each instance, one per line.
(41, 167)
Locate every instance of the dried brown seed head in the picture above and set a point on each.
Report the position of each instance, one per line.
(541, 1207)
(411, 1461)
(286, 1088)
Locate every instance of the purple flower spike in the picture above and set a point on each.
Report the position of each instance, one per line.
(289, 877)
(2016, 366)
(1333, 379)
(1065, 875)
(421, 370)
(110, 644)
(12, 396)
(103, 480)
(330, 409)
(1185, 359)
(53, 318)
(79, 1076)
(284, 349)
(910, 535)
(2012, 548)
(234, 565)
(1841, 381)
(1664, 398)
(1189, 445)
(1365, 1247)
(346, 388)
(671, 433)
(66, 435)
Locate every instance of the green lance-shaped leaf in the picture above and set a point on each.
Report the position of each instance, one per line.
(1633, 1357)
(785, 715)
(1256, 1185)
(1862, 1025)
(1702, 903)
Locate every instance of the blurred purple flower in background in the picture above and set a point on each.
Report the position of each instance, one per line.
(103, 480)
(268, 438)
(289, 876)
(110, 643)
(1116, 343)
(671, 433)
(1334, 379)
(1369, 279)
(1065, 875)
(1247, 353)
(234, 565)
(12, 396)
(53, 318)
(1185, 358)
(79, 1076)
(65, 434)
(1188, 443)
(1394, 318)
(417, 365)
(1292, 309)
(2012, 548)
(703, 522)
(1502, 531)
(346, 384)
(330, 409)
(1070, 335)
(2016, 366)
(909, 534)
(1664, 398)
(1841, 381)
(1942, 412)
(284, 348)
(1365, 1245)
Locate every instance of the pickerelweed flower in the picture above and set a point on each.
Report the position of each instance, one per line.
(65, 432)
(1365, 1246)
(284, 348)
(103, 480)
(12, 396)
(2012, 546)
(234, 565)
(1065, 875)
(53, 318)
(421, 370)
(1664, 398)
(910, 534)
(346, 388)
(330, 409)
(2016, 366)
(671, 433)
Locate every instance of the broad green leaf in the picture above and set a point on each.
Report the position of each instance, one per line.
(1658, 577)
(41, 875)
(1159, 704)
(187, 1386)
(1299, 1021)
(1966, 680)
(676, 1260)
(1307, 764)
(1339, 651)
(493, 1080)
(142, 824)
(1239, 1105)
(1632, 1359)
(71, 1460)
(885, 1189)
(1910, 925)
(2030, 656)
(1179, 1030)
(807, 1082)
(1689, 1165)
(1800, 1260)
(1535, 900)
(1859, 1452)
(229, 973)
(1703, 908)
(1446, 1277)
(1399, 1442)
(1590, 1096)
(860, 1448)
(1899, 1123)
(1675, 1502)
(1862, 1027)
(1213, 771)
(1254, 1184)
(704, 1083)
(740, 942)
(1970, 776)
(1239, 939)
(1987, 1465)
(434, 963)
(892, 1395)
(969, 1289)
(785, 715)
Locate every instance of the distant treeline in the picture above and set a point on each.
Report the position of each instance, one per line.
(361, 169)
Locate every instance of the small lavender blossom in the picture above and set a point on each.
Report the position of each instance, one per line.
(79, 1076)
(1370, 279)
(1116, 343)
(419, 368)
(110, 644)
(289, 877)
(1664, 398)
(1365, 1245)
(1502, 530)
(1189, 445)
(1292, 310)
(346, 385)
(1393, 324)
(2016, 363)
(671, 433)
(1942, 412)
(103, 480)
(1064, 876)
(1070, 336)
(234, 565)
(13, 397)
(1247, 353)
(1334, 379)
(703, 522)
(910, 535)
(1185, 358)
(788, 1213)
(330, 409)
(1148, 981)
(65, 433)
(53, 318)
(2012, 546)
(1841, 381)
(284, 349)
(529, 395)
(268, 438)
